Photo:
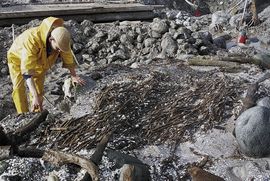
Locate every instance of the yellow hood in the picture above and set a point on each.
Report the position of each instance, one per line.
(47, 26)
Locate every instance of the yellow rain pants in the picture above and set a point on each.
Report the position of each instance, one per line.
(28, 56)
(19, 88)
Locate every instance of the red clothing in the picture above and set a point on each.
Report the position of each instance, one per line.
(242, 39)
(197, 13)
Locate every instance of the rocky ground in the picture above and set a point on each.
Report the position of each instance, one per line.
(141, 85)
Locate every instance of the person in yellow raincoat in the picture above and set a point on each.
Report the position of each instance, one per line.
(32, 54)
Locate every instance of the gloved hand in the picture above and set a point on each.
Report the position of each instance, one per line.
(78, 80)
(37, 104)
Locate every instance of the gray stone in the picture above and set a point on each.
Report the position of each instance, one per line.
(159, 26)
(77, 47)
(126, 39)
(87, 23)
(89, 31)
(168, 45)
(4, 71)
(204, 50)
(95, 46)
(149, 42)
(220, 42)
(140, 38)
(252, 130)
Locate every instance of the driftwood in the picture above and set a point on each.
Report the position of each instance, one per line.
(212, 62)
(240, 60)
(60, 158)
(234, 61)
(198, 174)
(32, 125)
(97, 155)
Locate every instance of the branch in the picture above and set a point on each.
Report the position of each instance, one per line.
(60, 158)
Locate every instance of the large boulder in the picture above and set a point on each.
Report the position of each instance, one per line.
(252, 130)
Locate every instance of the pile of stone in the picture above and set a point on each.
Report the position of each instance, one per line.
(129, 42)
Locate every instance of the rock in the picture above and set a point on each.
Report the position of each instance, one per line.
(220, 42)
(219, 18)
(252, 129)
(4, 71)
(185, 31)
(149, 42)
(112, 35)
(263, 59)
(119, 54)
(155, 34)
(89, 31)
(159, 26)
(134, 65)
(126, 39)
(77, 47)
(168, 45)
(96, 76)
(134, 172)
(87, 23)
(119, 159)
(96, 46)
(204, 50)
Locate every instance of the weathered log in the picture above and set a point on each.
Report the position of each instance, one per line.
(198, 174)
(97, 155)
(240, 60)
(212, 62)
(33, 124)
(60, 158)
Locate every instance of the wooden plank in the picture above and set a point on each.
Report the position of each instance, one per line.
(42, 10)
(106, 17)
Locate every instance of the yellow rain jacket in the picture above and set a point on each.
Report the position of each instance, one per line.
(28, 56)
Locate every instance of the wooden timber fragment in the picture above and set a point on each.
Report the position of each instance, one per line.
(234, 61)
(211, 62)
(33, 124)
(97, 156)
(241, 60)
(198, 174)
(60, 158)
